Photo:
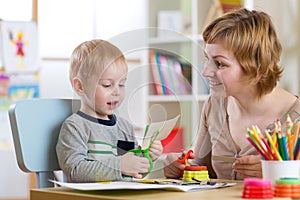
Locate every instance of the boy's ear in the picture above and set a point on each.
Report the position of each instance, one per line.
(77, 85)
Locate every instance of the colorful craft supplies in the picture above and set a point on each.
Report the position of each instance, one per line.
(283, 145)
(193, 173)
(257, 188)
(287, 187)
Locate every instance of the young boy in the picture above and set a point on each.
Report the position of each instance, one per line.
(93, 142)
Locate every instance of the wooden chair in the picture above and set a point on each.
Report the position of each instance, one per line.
(35, 126)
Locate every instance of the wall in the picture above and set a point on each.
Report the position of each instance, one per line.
(54, 79)
(285, 15)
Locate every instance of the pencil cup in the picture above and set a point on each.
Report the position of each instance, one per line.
(274, 170)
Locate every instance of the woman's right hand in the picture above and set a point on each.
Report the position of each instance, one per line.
(172, 168)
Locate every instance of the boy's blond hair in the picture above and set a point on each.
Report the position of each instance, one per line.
(92, 57)
(251, 36)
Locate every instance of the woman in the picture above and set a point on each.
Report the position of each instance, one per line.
(242, 51)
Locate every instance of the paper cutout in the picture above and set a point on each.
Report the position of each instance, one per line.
(158, 131)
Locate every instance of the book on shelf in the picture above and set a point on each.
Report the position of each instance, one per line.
(155, 73)
(171, 75)
(229, 5)
(163, 67)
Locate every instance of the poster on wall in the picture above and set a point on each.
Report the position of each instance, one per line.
(19, 46)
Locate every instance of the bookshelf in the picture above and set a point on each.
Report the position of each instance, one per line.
(185, 44)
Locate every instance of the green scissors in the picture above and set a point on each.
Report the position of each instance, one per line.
(145, 153)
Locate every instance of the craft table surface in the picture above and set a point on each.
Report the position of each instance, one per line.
(62, 193)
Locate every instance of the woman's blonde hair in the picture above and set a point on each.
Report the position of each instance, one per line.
(251, 36)
(92, 58)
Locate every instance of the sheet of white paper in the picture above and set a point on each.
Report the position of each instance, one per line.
(120, 185)
(164, 129)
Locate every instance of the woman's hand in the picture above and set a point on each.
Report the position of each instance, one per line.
(248, 166)
(172, 168)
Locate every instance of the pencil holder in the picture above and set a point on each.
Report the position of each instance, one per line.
(274, 170)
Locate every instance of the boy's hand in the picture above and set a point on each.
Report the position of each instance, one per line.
(248, 166)
(155, 150)
(133, 165)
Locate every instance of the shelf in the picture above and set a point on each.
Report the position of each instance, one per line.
(165, 40)
(175, 39)
(171, 98)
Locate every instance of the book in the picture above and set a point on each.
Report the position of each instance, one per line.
(182, 84)
(158, 65)
(186, 70)
(155, 73)
(229, 5)
(171, 75)
(165, 75)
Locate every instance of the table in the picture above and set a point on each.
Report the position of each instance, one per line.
(61, 193)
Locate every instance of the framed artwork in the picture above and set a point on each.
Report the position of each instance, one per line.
(19, 43)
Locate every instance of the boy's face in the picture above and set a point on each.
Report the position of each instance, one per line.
(108, 92)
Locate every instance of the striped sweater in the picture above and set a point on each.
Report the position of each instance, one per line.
(87, 147)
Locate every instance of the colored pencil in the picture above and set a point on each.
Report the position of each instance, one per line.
(273, 146)
(258, 144)
(275, 134)
(285, 147)
(296, 149)
(255, 132)
(289, 124)
(290, 140)
(257, 148)
(280, 145)
(296, 130)
(272, 155)
(278, 125)
(252, 138)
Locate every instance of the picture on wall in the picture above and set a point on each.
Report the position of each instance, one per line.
(19, 46)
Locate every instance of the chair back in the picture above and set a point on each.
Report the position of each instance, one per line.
(35, 126)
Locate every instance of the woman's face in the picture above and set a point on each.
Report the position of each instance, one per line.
(223, 71)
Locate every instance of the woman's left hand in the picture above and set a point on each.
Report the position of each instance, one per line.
(248, 166)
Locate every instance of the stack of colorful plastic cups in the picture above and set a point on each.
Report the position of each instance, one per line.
(195, 173)
(287, 187)
(257, 188)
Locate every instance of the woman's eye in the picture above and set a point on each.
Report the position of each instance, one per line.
(106, 85)
(219, 64)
